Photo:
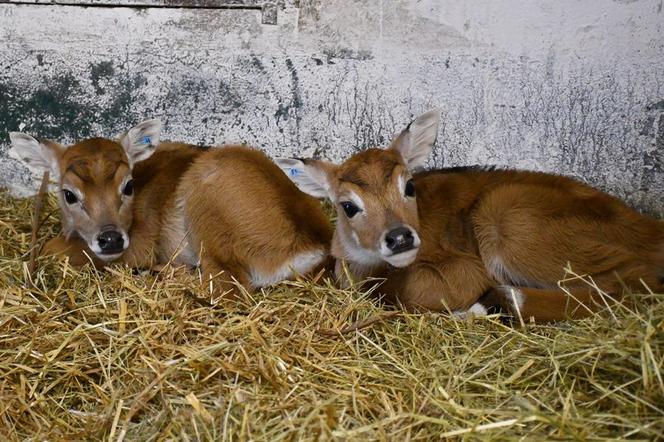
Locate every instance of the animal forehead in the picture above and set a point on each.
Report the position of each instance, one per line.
(370, 168)
(95, 160)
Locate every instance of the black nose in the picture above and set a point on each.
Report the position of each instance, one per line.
(399, 240)
(110, 242)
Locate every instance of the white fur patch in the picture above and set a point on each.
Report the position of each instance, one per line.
(402, 187)
(402, 259)
(353, 251)
(513, 295)
(499, 271)
(358, 254)
(478, 309)
(475, 310)
(301, 264)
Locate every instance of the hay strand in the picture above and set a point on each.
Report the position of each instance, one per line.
(116, 355)
(359, 325)
(36, 224)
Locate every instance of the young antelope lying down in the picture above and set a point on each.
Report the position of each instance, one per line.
(143, 203)
(474, 238)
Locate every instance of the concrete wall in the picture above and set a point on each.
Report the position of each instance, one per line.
(574, 87)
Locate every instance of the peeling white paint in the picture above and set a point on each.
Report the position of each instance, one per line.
(563, 86)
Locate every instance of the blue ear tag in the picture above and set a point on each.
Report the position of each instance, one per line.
(147, 140)
(293, 172)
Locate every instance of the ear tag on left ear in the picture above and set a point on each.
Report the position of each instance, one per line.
(293, 172)
(147, 140)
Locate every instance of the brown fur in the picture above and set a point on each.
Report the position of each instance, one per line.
(97, 167)
(372, 175)
(246, 217)
(231, 207)
(483, 230)
(156, 180)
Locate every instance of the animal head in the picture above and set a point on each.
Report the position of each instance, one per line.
(374, 194)
(95, 185)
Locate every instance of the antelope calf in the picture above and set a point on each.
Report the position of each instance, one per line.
(98, 181)
(242, 216)
(144, 203)
(472, 238)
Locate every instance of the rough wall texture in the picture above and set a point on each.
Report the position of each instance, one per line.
(574, 87)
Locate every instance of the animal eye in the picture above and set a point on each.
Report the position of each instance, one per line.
(410, 188)
(350, 208)
(128, 189)
(70, 197)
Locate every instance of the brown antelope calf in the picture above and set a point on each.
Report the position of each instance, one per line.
(475, 238)
(96, 190)
(145, 203)
(243, 216)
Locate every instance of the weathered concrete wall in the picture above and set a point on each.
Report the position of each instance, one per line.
(567, 86)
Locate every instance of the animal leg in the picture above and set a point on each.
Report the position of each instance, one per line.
(446, 286)
(219, 276)
(74, 248)
(545, 305)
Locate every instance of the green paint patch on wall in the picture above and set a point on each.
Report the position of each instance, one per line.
(68, 106)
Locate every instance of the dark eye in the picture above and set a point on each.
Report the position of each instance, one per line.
(410, 188)
(128, 188)
(69, 196)
(350, 208)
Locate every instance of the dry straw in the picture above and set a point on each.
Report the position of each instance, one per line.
(120, 355)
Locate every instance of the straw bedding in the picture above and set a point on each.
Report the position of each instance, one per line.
(121, 355)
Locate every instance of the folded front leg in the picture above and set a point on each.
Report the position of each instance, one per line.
(523, 304)
(449, 285)
(223, 278)
(74, 248)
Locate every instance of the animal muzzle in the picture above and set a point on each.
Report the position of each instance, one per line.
(110, 241)
(400, 240)
(399, 246)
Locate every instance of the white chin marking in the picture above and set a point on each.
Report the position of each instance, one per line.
(108, 258)
(402, 259)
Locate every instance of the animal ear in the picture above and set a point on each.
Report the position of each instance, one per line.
(416, 141)
(310, 176)
(140, 141)
(39, 156)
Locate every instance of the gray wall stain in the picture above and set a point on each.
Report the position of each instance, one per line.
(99, 73)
